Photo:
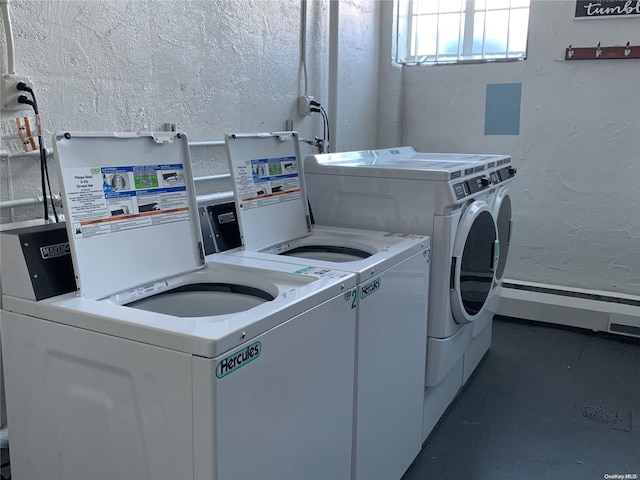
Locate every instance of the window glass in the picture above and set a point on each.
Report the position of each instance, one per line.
(448, 34)
(426, 43)
(497, 28)
(450, 6)
(496, 4)
(518, 31)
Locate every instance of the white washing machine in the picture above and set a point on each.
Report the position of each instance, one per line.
(392, 274)
(444, 196)
(162, 365)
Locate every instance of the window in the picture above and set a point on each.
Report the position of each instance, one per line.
(457, 31)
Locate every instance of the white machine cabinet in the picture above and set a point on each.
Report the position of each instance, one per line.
(164, 365)
(392, 272)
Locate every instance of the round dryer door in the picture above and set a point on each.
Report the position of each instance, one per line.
(475, 257)
(502, 212)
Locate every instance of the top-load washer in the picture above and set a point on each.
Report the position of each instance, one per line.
(163, 365)
(392, 274)
(444, 196)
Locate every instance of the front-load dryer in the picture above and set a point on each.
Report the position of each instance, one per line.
(499, 200)
(392, 274)
(498, 171)
(163, 365)
(440, 195)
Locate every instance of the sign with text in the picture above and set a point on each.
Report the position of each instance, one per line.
(607, 8)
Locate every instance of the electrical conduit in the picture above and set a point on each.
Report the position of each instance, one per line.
(6, 17)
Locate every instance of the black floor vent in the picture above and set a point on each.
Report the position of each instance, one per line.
(603, 415)
(628, 329)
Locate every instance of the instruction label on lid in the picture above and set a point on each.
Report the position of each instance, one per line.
(267, 181)
(321, 272)
(404, 235)
(106, 200)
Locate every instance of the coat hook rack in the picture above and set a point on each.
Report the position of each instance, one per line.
(602, 53)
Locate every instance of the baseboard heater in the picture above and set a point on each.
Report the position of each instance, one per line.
(595, 310)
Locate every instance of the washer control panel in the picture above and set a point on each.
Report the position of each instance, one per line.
(464, 188)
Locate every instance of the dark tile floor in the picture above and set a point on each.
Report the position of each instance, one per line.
(546, 402)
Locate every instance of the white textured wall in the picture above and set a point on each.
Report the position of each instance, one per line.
(211, 67)
(577, 193)
(357, 89)
(390, 114)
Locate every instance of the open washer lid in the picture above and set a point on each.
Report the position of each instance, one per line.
(130, 207)
(269, 188)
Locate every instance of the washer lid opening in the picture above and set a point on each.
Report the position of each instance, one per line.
(329, 253)
(203, 300)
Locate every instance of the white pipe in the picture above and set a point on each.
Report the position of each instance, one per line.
(11, 68)
(334, 62)
(212, 143)
(33, 153)
(214, 197)
(212, 177)
(303, 45)
(25, 202)
(6, 154)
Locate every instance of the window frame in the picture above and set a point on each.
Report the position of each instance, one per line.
(405, 39)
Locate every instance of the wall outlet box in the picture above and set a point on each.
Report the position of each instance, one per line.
(304, 104)
(9, 92)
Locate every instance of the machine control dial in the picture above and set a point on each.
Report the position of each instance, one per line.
(485, 182)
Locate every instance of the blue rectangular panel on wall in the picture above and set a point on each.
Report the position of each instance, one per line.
(502, 109)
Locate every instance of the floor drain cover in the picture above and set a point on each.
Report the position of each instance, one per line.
(591, 413)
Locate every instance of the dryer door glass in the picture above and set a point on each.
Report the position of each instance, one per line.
(476, 272)
(504, 234)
